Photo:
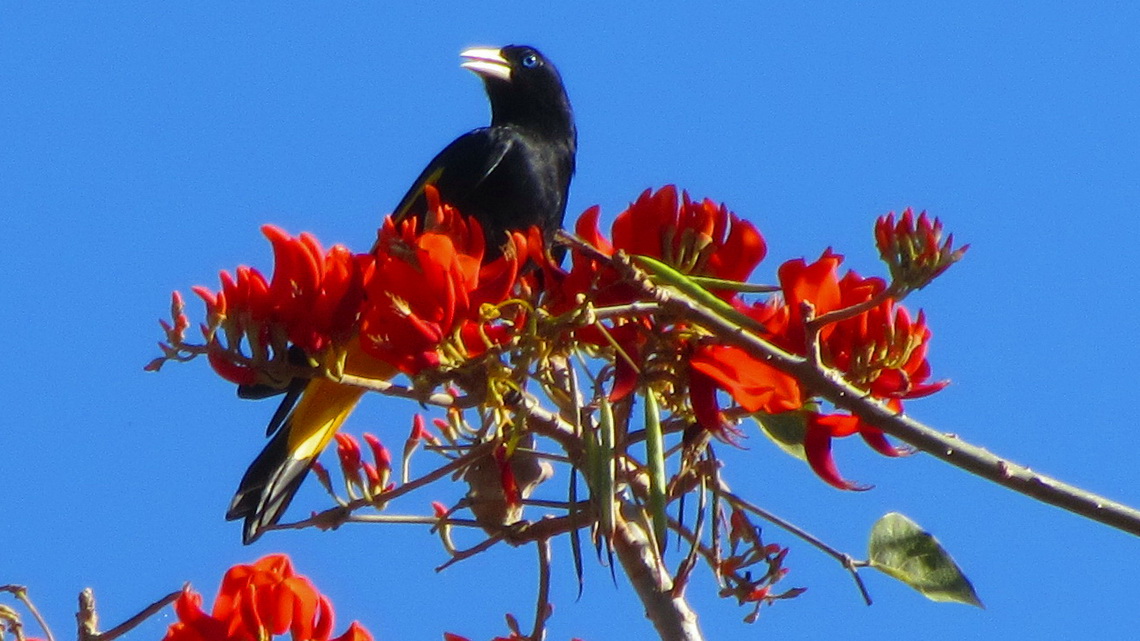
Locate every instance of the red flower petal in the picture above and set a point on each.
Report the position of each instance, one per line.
(875, 438)
(357, 632)
(232, 372)
(702, 395)
(817, 448)
(510, 486)
(755, 385)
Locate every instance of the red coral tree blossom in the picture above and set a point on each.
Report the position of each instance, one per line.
(425, 298)
(257, 602)
(879, 348)
(697, 238)
(539, 366)
(311, 301)
(415, 301)
(428, 289)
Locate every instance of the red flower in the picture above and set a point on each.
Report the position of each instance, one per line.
(755, 385)
(351, 462)
(312, 301)
(417, 289)
(430, 287)
(317, 295)
(370, 477)
(256, 602)
(382, 458)
(881, 350)
(914, 249)
(817, 284)
(821, 428)
(697, 238)
(425, 298)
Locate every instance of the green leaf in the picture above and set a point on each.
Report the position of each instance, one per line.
(903, 550)
(575, 538)
(604, 469)
(786, 430)
(665, 274)
(655, 460)
(708, 282)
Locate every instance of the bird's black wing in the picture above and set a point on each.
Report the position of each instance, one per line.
(457, 171)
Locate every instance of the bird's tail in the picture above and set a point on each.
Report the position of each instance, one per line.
(274, 476)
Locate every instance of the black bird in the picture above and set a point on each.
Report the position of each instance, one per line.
(516, 172)
(510, 175)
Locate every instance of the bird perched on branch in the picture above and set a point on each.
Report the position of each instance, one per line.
(510, 175)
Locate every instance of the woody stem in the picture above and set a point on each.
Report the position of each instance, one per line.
(831, 385)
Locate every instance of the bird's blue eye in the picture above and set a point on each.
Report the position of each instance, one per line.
(530, 61)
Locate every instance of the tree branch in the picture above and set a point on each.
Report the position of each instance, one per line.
(133, 622)
(670, 615)
(830, 385)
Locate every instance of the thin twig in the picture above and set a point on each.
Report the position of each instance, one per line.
(542, 609)
(894, 291)
(470, 552)
(21, 594)
(133, 622)
(577, 506)
(551, 526)
(388, 388)
(848, 562)
(570, 239)
(410, 519)
(629, 310)
(694, 540)
(551, 425)
(681, 577)
(280, 368)
(339, 513)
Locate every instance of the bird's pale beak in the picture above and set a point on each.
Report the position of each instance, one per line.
(487, 62)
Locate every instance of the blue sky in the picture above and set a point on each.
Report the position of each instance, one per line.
(142, 144)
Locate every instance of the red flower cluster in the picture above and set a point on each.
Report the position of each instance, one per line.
(698, 238)
(370, 478)
(879, 348)
(914, 249)
(311, 301)
(417, 290)
(257, 602)
(424, 298)
(429, 287)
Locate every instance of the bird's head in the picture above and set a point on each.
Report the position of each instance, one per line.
(523, 86)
